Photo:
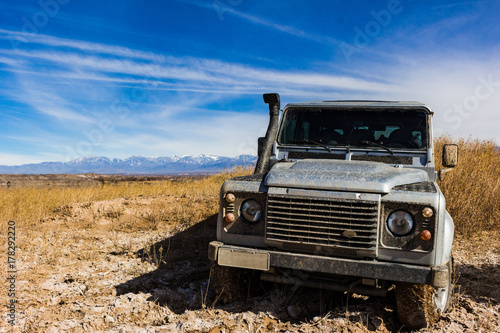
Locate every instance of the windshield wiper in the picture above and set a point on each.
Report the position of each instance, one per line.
(316, 143)
(378, 145)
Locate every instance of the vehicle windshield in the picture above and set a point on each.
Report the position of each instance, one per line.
(390, 128)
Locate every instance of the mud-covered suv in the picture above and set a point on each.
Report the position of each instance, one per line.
(344, 197)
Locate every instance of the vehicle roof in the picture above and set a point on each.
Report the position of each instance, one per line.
(359, 103)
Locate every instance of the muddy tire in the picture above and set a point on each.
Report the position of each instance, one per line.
(419, 305)
(229, 283)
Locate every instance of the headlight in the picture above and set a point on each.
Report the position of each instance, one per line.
(400, 223)
(251, 210)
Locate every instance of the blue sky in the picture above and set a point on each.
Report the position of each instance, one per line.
(160, 78)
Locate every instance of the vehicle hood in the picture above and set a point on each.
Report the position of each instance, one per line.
(355, 176)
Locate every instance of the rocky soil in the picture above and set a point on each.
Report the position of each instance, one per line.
(104, 266)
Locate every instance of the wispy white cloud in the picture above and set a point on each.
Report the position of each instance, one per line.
(228, 133)
(281, 27)
(50, 104)
(222, 9)
(463, 3)
(182, 103)
(9, 61)
(18, 38)
(444, 28)
(213, 72)
(464, 93)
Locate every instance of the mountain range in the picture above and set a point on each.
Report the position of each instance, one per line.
(136, 165)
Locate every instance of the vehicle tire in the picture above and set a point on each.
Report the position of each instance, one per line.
(419, 305)
(229, 283)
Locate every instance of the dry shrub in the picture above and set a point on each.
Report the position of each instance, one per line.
(472, 189)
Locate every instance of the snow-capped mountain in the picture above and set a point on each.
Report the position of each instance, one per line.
(135, 165)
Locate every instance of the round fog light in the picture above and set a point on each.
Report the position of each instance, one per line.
(425, 235)
(427, 212)
(230, 198)
(229, 217)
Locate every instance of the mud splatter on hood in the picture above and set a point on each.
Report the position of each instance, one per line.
(358, 176)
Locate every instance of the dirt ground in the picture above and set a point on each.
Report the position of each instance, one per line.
(102, 266)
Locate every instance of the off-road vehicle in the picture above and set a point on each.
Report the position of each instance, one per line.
(344, 197)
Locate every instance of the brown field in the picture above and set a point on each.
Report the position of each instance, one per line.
(16, 181)
(472, 189)
(131, 256)
(88, 179)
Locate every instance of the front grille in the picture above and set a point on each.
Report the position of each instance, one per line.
(329, 224)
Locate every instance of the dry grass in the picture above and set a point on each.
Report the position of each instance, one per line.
(472, 189)
(29, 205)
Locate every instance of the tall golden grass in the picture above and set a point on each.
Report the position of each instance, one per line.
(472, 189)
(29, 205)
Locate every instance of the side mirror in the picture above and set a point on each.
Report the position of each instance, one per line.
(260, 145)
(450, 155)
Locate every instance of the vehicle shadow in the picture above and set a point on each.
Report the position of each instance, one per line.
(181, 279)
(481, 284)
(182, 282)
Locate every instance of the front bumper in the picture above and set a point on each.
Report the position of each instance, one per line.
(249, 258)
